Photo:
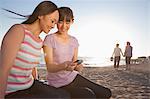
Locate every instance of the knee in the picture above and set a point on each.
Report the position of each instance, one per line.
(104, 94)
(109, 93)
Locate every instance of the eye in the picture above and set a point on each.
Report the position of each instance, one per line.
(52, 21)
(67, 22)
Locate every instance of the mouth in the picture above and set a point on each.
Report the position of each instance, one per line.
(63, 30)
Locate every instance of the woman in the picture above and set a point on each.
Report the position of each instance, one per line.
(20, 53)
(128, 55)
(61, 51)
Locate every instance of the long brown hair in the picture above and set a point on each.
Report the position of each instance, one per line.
(43, 8)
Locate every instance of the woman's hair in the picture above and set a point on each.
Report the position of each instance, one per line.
(128, 43)
(44, 8)
(65, 13)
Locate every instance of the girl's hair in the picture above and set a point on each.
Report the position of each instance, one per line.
(44, 8)
(65, 13)
(117, 44)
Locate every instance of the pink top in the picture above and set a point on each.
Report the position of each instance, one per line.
(61, 53)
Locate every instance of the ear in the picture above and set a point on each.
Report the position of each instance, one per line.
(72, 21)
(40, 17)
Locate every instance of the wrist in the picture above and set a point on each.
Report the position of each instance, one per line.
(65, 66)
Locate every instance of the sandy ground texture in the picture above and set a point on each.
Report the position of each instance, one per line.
(124, 84)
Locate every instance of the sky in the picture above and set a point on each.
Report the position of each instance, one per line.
(98, 24)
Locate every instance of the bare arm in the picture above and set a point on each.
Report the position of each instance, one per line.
(75, 57)
(80, 66)
(9, 48)
(51, 67)
(121, 52)
(35, 73)
(113, 52)
(125, 51)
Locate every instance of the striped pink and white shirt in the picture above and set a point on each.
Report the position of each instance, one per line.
(28, 56)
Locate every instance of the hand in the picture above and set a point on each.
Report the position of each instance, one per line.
(78, 62)
(69, 66)
(79, 68)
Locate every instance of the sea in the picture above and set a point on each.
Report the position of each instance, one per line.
(92, 61)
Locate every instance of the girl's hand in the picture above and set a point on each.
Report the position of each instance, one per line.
(68, 65)
(71, 66)
(79, 68)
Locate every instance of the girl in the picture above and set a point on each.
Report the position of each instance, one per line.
(20, 53)
(61, 47)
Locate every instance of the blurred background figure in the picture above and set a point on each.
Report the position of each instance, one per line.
(117, 54)
(128, 54)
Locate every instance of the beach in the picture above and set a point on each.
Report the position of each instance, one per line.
(124, 84)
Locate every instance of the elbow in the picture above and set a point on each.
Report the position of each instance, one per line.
(50, 68)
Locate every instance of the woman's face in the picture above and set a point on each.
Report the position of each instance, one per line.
(48, 21)
(64, 26)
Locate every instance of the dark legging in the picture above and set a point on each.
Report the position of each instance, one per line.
(39, 91)
(128, 59)
(76, 89)
(116, 61)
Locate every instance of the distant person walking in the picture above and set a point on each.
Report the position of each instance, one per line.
(117, 54)
(128, 54)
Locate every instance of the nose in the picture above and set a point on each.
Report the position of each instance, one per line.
(64, 24)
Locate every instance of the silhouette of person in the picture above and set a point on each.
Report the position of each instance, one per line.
(128, 54)
(117, 55)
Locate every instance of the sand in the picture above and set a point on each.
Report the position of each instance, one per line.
(124, 84)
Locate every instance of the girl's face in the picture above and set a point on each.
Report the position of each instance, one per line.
(64, 26)
(48, 21)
